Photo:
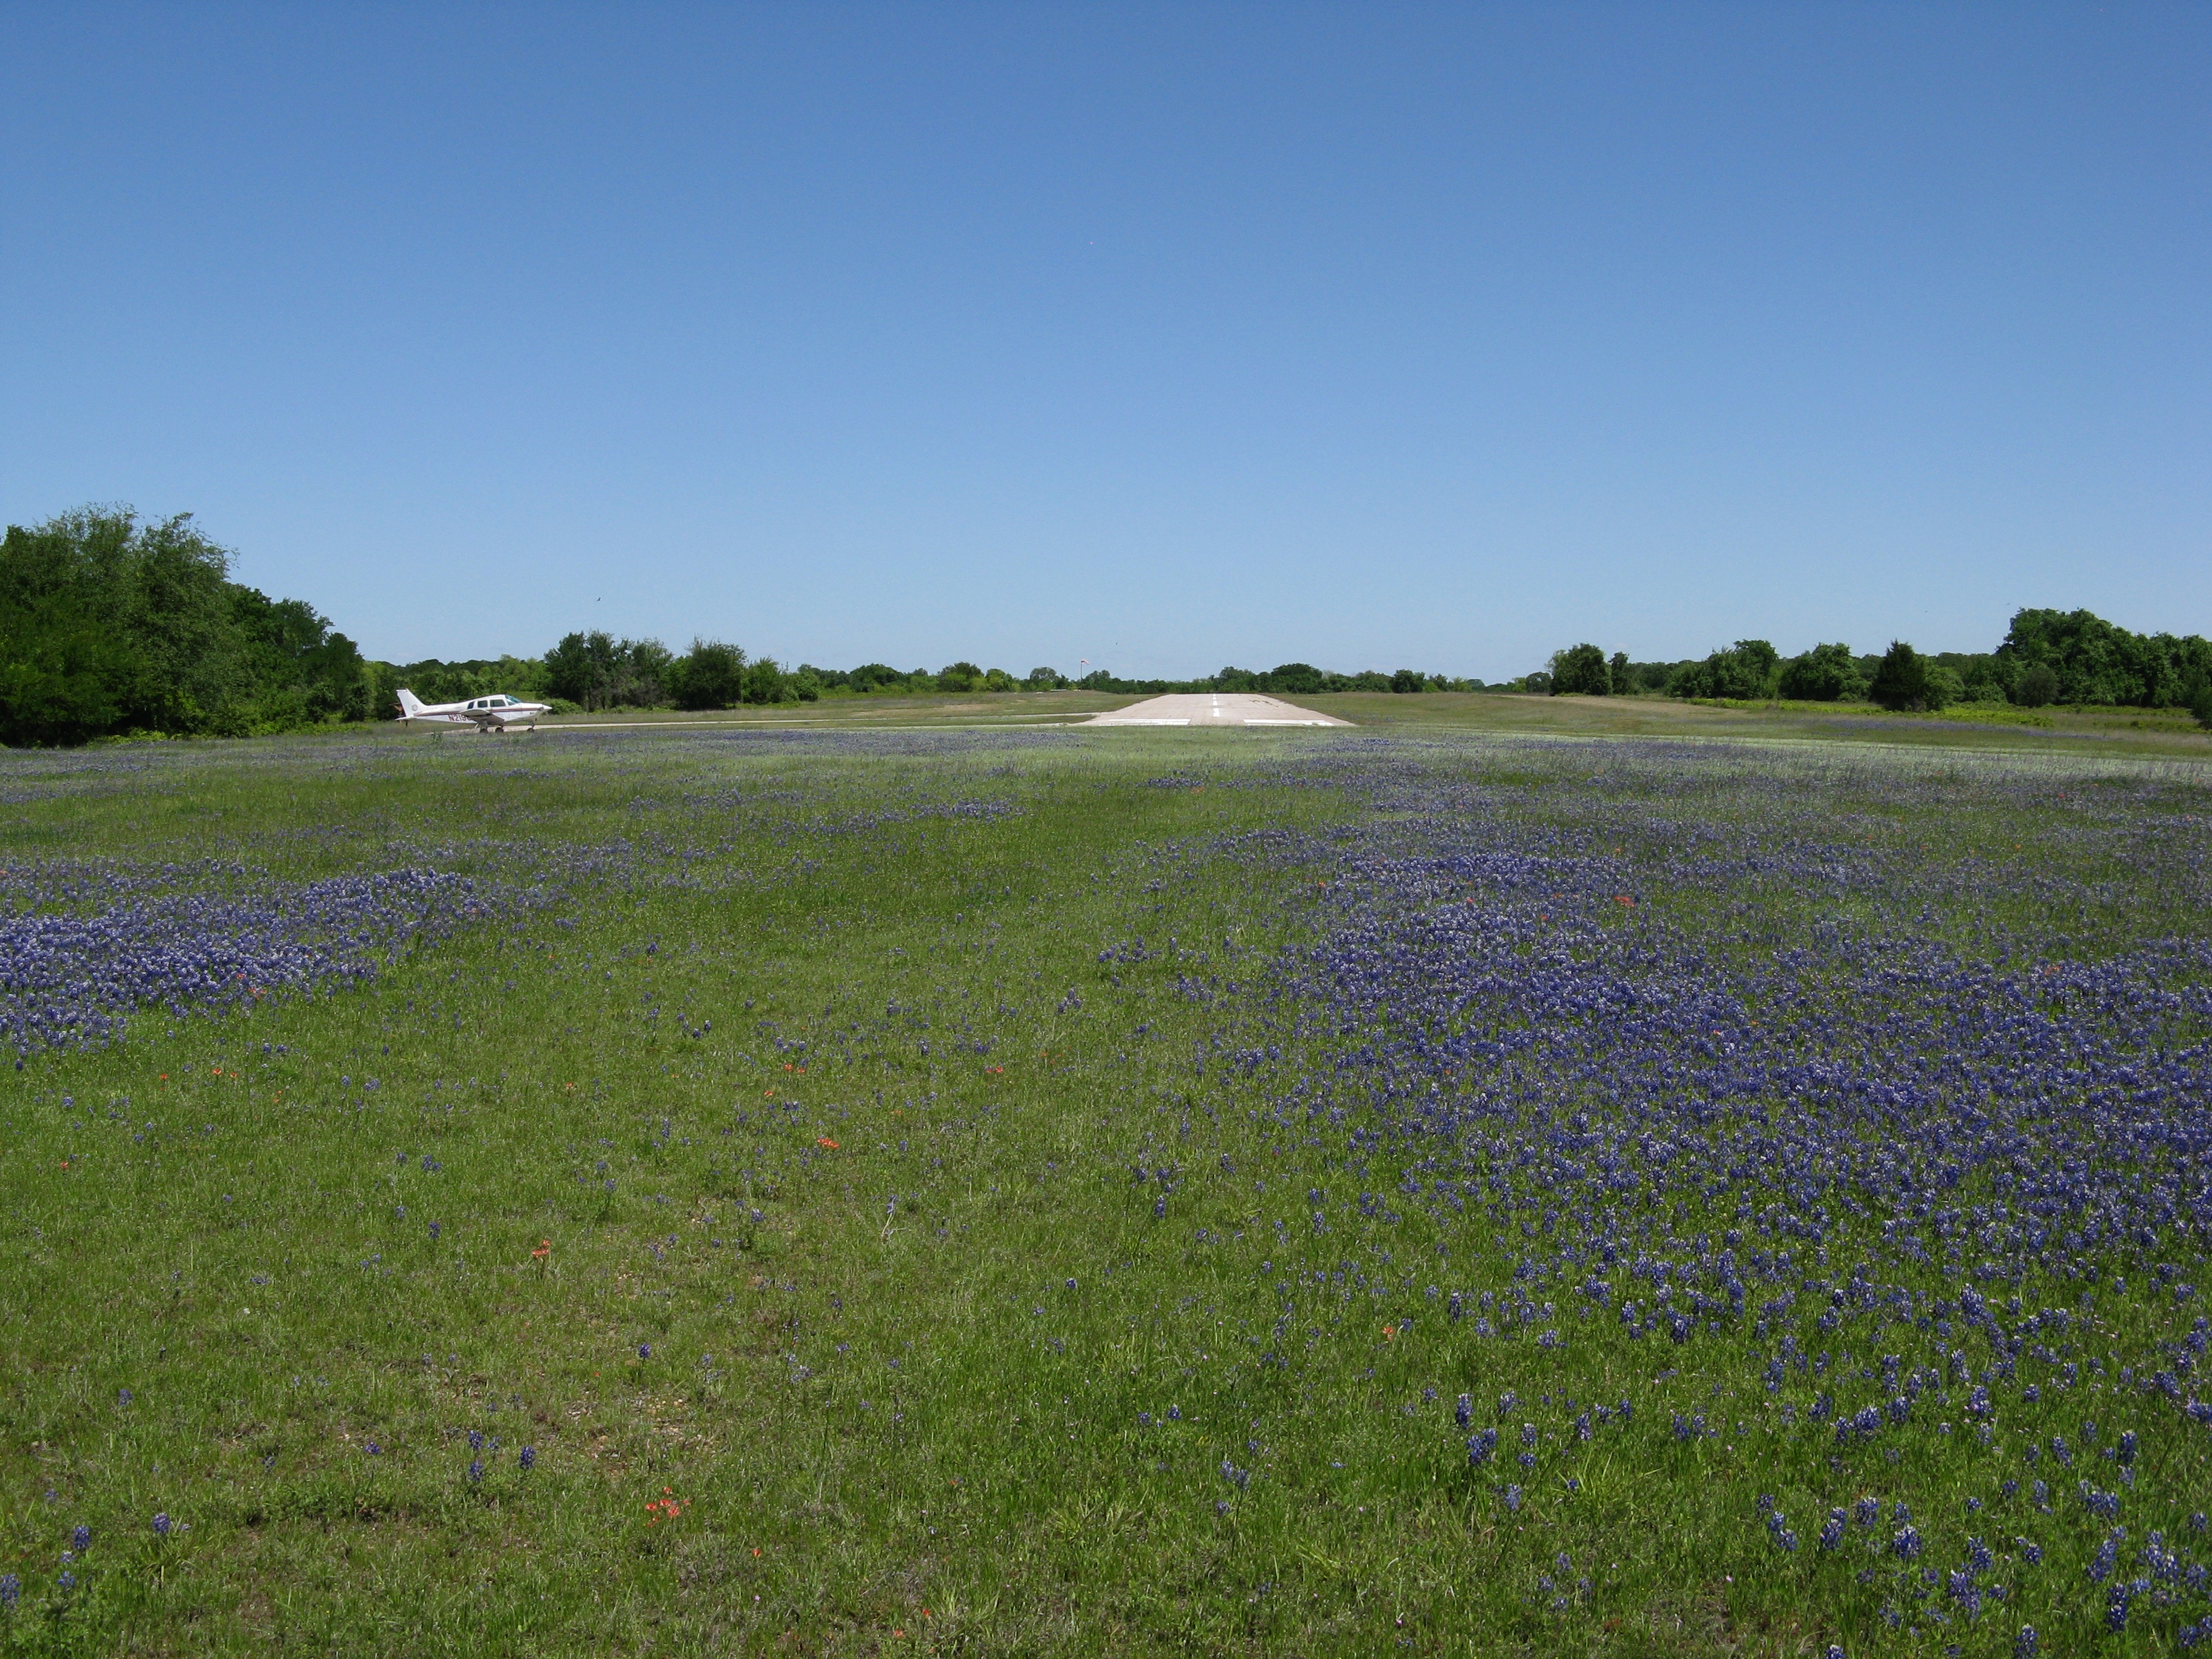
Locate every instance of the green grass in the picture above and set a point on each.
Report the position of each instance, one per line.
(886, 1420)
(2133, 731)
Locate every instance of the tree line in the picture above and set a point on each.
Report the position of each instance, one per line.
(597, 671)
(2072, 657)
(111, 625)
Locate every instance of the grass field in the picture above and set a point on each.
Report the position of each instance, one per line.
(2058, 731)
(1431, 1188)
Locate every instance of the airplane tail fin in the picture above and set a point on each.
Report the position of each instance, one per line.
(410, 704)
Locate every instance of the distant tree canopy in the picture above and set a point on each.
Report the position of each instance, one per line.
(1580, 671)
(1826, 673)
(2094, 661)
(596, 671)
(1905, 680)
(711, 675)
(111, 625)
(2046, 657)
(1749, 669)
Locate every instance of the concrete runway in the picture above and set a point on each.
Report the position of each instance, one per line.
(1213, 708)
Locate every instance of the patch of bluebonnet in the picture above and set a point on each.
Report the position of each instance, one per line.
(1751, 1092)
(72, 978)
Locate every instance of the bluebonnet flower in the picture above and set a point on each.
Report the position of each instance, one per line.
(2117, 1599)
(2101, 1563)
(11, 1590)
(80, 1538)
(475, 1469)
(528, 1459)
(1513, 1498)
(1960, 1588)
(162, 1526)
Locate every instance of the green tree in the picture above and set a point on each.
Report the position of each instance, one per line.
(1580, 671)
(766, 682)
(1748, 670)
(1903, 681)
(2095, 661)
(107, 624)
(1300, 679)
(1042, 679)
(2197, 699)
(598, 672)
(711, 675)
(1826, 673)
(2036, 686)
(960, 676)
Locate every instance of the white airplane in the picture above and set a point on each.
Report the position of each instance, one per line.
(493, 714)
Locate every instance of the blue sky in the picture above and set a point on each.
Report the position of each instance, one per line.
(1161, 337)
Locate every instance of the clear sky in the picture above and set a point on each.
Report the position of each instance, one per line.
(1164, 338)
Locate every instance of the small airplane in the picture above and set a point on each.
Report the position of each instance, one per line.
(493, 714)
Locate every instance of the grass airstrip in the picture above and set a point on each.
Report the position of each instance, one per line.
(1502, 1179)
